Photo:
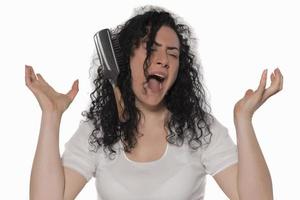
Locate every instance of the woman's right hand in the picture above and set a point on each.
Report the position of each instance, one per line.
(48, 98)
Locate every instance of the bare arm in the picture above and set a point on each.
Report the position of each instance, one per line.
(254, 179)
(47, 175)
(250, 178)
(49, 179)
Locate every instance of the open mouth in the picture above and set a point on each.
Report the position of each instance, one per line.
(155, 82)
(156, 77)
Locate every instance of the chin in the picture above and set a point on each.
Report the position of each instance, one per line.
(148, 99)
(151, 102)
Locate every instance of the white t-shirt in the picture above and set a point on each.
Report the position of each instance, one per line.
(180, 174)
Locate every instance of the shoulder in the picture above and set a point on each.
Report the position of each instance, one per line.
(81, 137)
(216, 133)
(216, 126)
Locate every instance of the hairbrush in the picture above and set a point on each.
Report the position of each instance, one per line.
(111, 58)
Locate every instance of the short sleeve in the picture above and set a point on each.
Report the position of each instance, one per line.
(221, 151)
(77, 155)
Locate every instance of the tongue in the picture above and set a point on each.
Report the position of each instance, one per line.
(154, 85)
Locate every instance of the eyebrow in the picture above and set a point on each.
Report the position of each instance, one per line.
(170, 48)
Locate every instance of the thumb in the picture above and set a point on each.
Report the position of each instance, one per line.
(74, 90)
(248, 92)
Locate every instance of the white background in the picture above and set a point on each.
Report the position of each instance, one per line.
(236, 41)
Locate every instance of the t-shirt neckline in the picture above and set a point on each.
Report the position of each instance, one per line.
(148, 162)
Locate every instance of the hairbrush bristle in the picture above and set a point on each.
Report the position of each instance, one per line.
(110, 54)
(118, 52)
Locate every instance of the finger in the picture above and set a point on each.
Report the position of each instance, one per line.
(281, 79)
(272, 76)
(74, 90)
(29, 74)
(262, 84)
(41, 78)
(32, 74)
(276, 81)
(277, 74)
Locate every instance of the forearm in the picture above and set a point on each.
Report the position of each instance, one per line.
(47, 175)
(254, 180)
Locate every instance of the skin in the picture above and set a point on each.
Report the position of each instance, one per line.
(152, 127)
(165, 58)
(248, 179)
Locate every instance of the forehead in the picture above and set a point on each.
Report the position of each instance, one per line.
(167, 36)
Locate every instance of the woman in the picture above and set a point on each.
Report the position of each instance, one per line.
(165, 140)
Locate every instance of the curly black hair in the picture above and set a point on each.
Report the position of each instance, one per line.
(186, 99)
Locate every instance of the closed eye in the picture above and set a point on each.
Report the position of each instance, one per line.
(169, 52)
(173, 55)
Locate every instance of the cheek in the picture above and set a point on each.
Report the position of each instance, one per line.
(136, 67)
(174, 74)
(137, 73)
(137, 77)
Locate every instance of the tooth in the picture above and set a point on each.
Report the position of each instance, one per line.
(159, 75)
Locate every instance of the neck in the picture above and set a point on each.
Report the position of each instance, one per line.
(154, 117)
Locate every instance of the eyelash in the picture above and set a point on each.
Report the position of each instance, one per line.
(175, 56)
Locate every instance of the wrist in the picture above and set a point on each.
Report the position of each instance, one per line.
(242, 118)
(52, 114)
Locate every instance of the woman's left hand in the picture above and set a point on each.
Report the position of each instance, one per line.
(252, 100)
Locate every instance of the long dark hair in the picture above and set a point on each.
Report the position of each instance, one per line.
(186, 100)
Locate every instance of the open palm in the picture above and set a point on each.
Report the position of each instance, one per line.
(252, 100)
(48, 98)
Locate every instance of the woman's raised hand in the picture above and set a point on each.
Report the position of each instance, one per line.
(48, 98)
(252, 100)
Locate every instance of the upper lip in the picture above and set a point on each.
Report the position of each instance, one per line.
(159, 73)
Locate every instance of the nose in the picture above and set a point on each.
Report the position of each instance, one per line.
(161, 58)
